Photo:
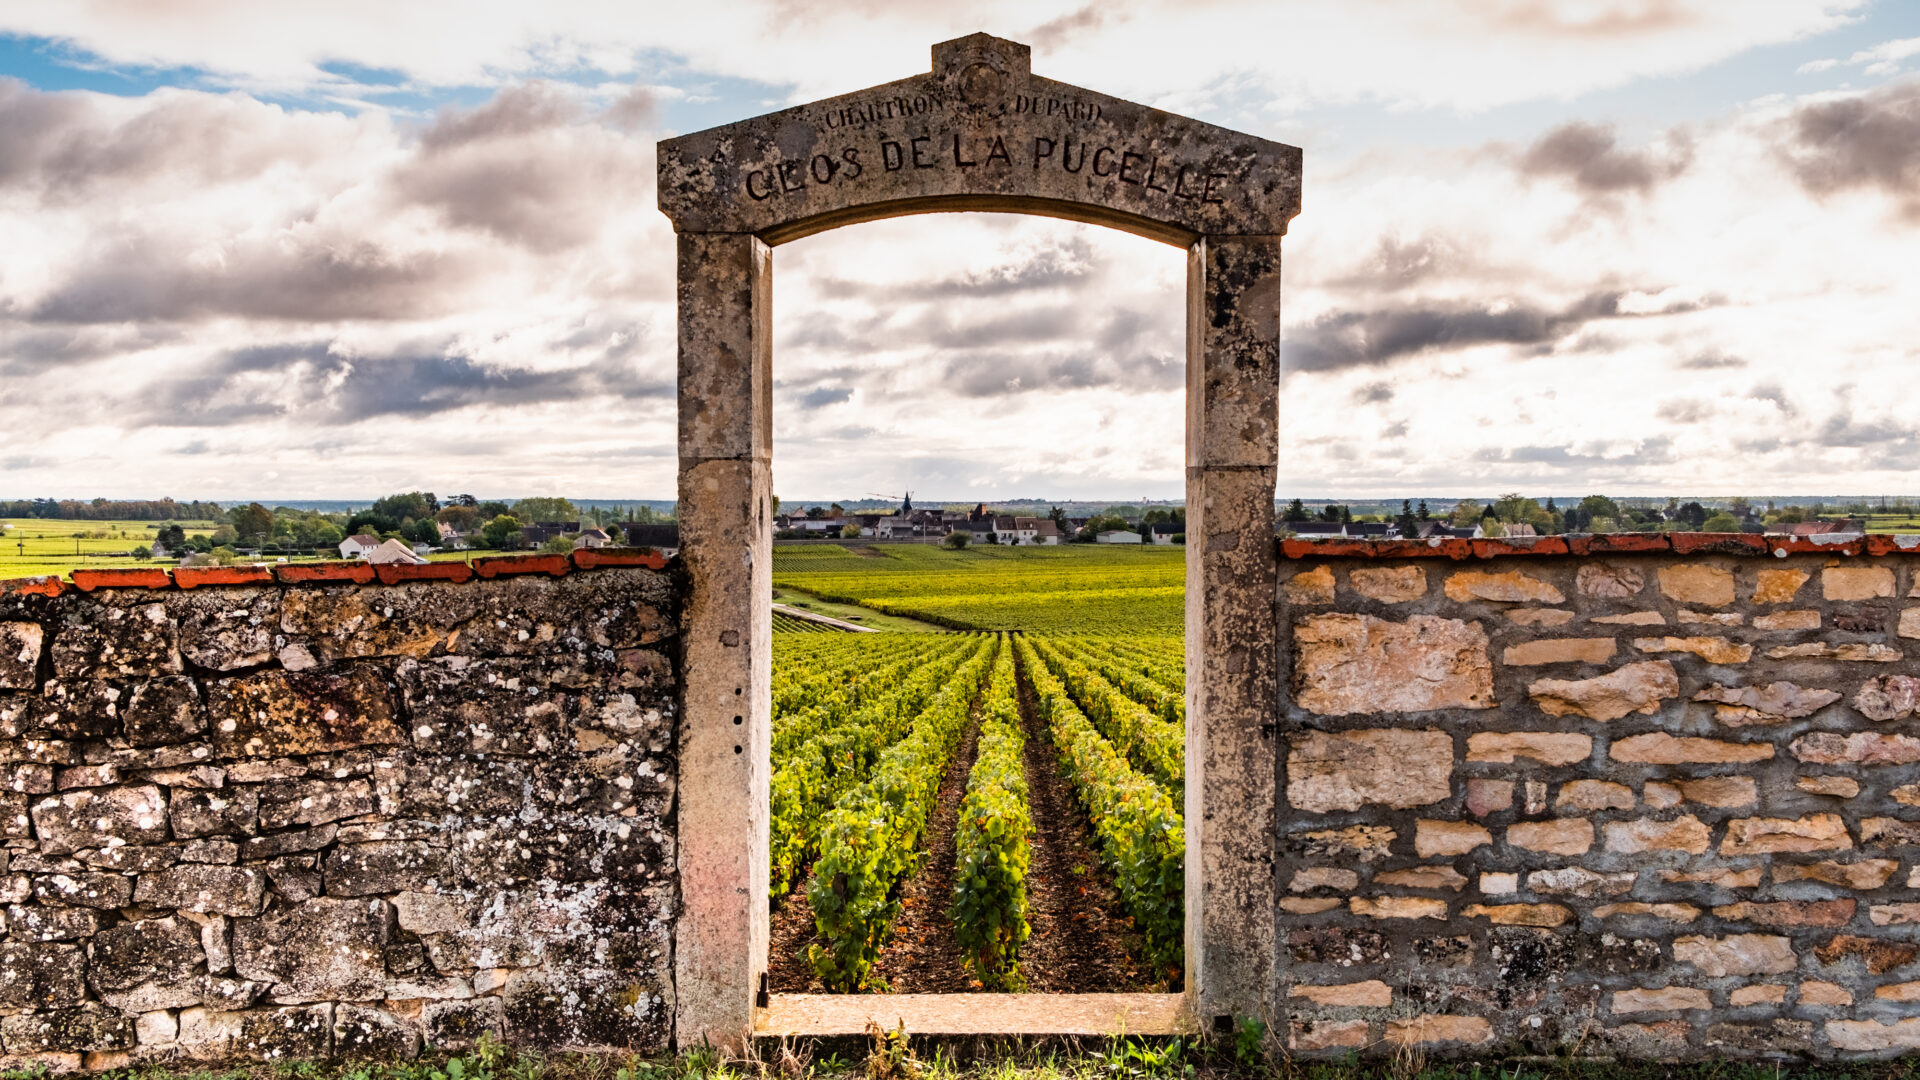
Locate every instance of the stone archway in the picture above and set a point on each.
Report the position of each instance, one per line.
(979, 132)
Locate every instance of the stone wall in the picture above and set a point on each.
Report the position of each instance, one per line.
(1606, 797)
(253, 816)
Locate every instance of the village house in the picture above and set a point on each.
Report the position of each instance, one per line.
(591, 538)
(358, 545)
(1118, 536)
(394, 551)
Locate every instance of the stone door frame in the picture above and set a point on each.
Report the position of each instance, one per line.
(735, 191)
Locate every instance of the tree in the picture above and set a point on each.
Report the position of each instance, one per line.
(850, 531)
(460, 516)
(546, 508)
(327, 535)
(1466, 513)
(252, 522)
(173, 538)
(225, 536)
(142, 552)
(491, 509)
(1721, 522)
(1693, 514)
(409, 504)
(816, 513)
(1598, 506)
(1405, 522)
(557, 545)
(1058, 517)
(957, 539)
(1422, 513)
(1296, 511)
(502, 532)
(422, 531)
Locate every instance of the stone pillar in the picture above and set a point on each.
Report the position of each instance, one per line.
(1233, 373)
(720, 937)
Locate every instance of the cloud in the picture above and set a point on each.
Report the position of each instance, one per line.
(1711, 360)
(314, 380)
(1772, 393)
(1684, 410)
(822, 396)
(1373, 393)
(1870, 140)
(1347, 339)
(1589, 156)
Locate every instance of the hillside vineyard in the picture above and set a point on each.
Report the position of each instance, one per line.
(906, 767)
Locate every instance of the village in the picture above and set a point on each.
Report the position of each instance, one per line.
(981, 525)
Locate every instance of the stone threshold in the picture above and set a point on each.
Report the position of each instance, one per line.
(803, 1015)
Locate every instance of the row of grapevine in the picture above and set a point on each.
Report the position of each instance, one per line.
(1141, 833)
(870, 840)
(992, 841)
(832, 725)
(1127, 676)
(1154, 745)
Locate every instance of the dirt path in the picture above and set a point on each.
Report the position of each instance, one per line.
(923, 957)
(1081, 941)
(791, 932)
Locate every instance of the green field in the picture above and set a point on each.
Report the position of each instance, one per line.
(1074, 589)
(32, 547)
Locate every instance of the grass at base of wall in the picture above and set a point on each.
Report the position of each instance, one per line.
(890, 1056)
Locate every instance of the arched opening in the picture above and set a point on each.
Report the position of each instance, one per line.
(932, 377)
(979, 131)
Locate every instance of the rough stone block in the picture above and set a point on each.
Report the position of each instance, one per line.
(1758, 836)
(1864, 874)
(322, 950)
(1579, 881)
(1840, 787)
(1687, 617)
(1659, 748)
(20, 647)
(1662, 999)
(371, 1034)
(1432, 1029)
(1559, 651)
(164, 711)
(1846, 583)
(97, 817)
(1372, 994)
(1423, 877)
(1398, 907)
(1633, 688)
(1488, 796)
(1821, 993)
(1307, 1036)
(107, 892)
(1888, 697)
(220, 812)
(1867, 1035)
(117, 639)
(1778, 586)
(456, 1025)
(1363, 842)
(1583, 795)
(224, 890)
(1878, 955)
(1538, 616)
(1789, 915)
(1607, 581)
(1772, 703)
(1433, 838)
(1540, 915)
(1673, 913)
(1881, 832)
(1853, 651)
(1313, 586)
(1893, 914)
(1691, 583)
(1561, 836)
(1506, 587)
(1328, 771)
(1545, 747)
(1348, 664)
(1735, 954)
(1788, 620)
(84, 1028)
(1631, 618)
(1714, 650)
(1860, 748)
(1764, 994)
(35, 975)
(1686, 833)
(278, 713)
(382, 867)
(1721, 792)
(1389, 584)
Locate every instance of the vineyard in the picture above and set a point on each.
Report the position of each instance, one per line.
(997, 808)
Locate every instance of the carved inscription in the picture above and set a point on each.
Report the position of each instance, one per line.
(1154, 172)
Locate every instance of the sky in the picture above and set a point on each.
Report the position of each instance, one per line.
(1640, 247)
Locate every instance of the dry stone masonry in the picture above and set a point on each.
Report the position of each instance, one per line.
(244, 816)
(1601, 796)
